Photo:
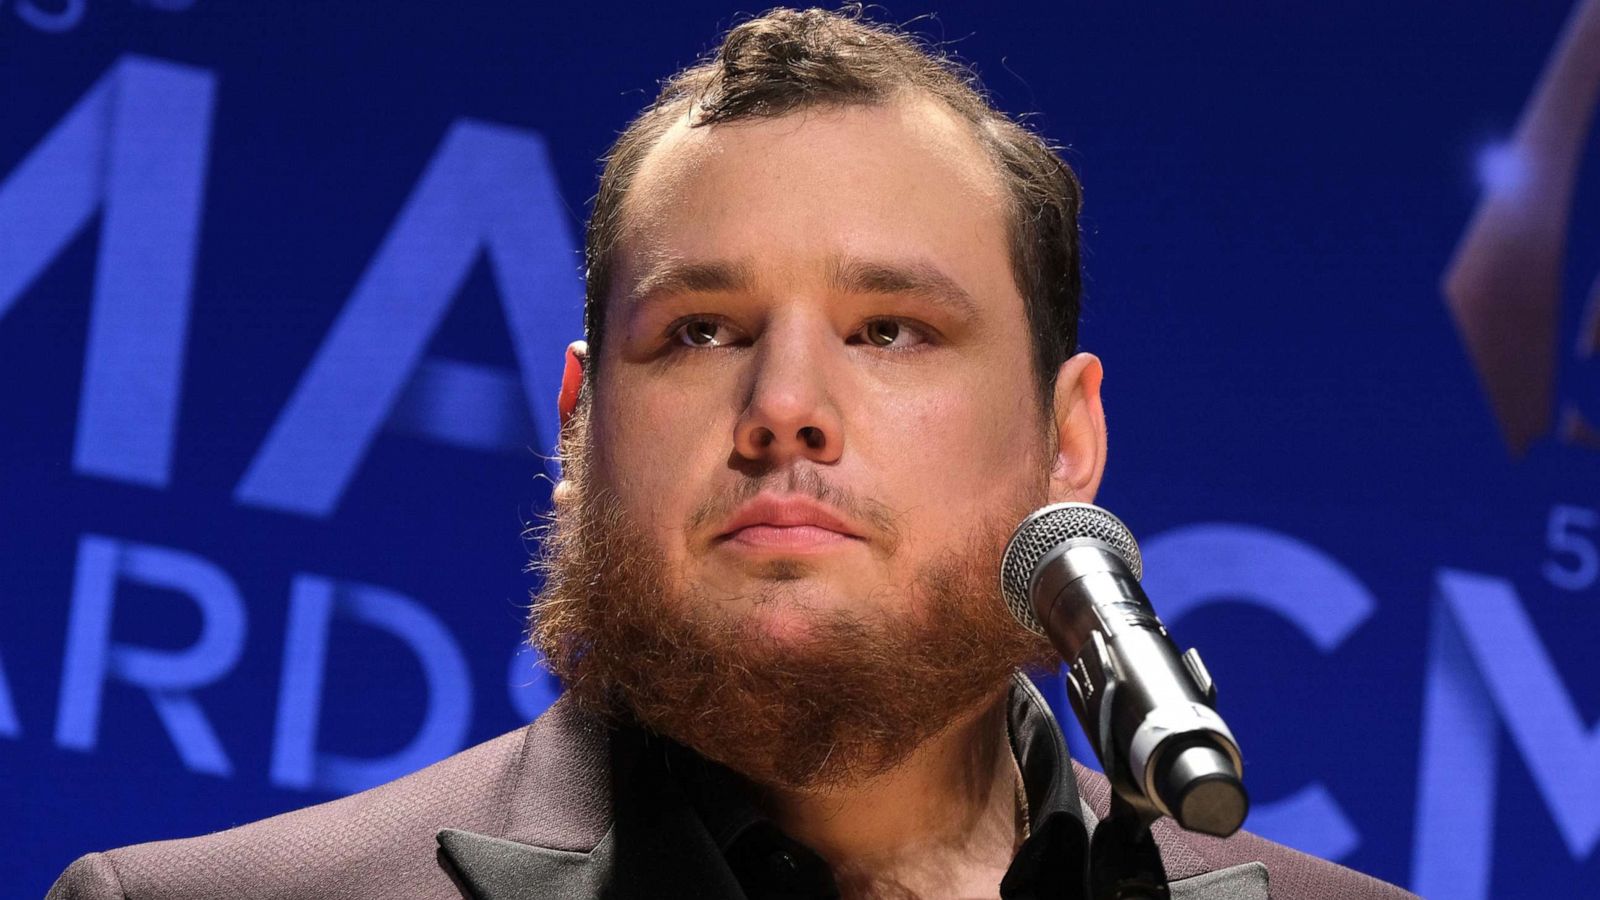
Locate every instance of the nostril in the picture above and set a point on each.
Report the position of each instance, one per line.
(812, 437)
(763, 437)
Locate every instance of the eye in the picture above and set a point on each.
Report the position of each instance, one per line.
(702, 333)
(890, 334)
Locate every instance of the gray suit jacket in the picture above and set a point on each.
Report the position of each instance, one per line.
(551, 811)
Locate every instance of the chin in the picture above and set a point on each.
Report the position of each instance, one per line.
(793, 612)
(785, 626)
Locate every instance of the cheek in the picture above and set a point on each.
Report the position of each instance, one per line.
(983, 427)
(654, 448)
(955, 455)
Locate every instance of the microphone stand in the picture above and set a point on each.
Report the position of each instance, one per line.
(1124, 861)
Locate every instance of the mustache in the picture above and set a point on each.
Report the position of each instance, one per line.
(806, 482)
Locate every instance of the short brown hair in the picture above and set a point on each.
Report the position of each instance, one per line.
(788, 60)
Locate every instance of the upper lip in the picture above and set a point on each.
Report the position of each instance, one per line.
(787, 511)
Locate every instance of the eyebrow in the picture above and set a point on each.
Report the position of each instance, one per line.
(846, 275)
(677, 277)
(919, 279)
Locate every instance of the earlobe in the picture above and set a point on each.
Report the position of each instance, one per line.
(1080, 428)
(571, 380)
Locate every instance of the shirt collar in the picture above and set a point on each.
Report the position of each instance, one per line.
(1053, 861)
(1050, 863)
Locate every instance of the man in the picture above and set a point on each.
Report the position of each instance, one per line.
(831, 362)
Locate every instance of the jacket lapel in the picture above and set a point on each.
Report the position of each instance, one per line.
(568, 836)
(674, 859)
(492, 868)
(1242, 882)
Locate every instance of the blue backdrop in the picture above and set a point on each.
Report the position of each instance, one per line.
(283, 289)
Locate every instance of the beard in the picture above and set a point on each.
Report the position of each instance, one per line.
(850, 698)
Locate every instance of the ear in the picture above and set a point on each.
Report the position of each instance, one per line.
(571, 380)
(1080, 431)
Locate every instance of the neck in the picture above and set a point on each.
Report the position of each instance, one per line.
(943, 823)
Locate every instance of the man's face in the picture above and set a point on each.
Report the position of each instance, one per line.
(815, 382)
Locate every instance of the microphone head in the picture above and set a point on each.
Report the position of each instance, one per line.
(1047, 529)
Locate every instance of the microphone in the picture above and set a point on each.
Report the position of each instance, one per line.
(1071, 574)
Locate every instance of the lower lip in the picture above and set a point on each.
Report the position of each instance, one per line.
(791, 538)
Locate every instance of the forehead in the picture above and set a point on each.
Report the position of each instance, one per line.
(902, 182)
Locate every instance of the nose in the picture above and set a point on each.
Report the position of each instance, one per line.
(790, 411)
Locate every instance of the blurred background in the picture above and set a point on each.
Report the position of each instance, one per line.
(284, 287)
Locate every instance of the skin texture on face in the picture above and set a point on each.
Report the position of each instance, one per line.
(817, 306)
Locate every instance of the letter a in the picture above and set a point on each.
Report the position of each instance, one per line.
(489, 188)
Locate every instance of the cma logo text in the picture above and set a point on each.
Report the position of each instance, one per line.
(133, 153)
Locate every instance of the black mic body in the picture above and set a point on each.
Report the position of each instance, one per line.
(1071, 573)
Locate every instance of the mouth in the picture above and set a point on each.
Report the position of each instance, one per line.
(786, 524)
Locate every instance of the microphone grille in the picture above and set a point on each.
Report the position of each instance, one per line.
(1047, 529)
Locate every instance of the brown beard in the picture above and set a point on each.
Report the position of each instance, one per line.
(850, 700)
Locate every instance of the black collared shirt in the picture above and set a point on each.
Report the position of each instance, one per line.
(770, 865)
